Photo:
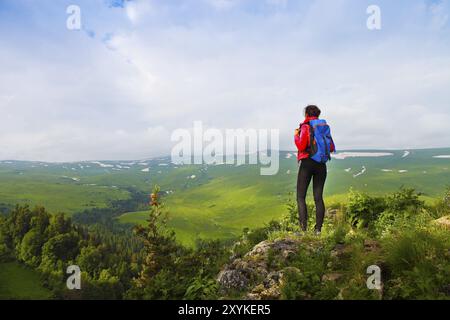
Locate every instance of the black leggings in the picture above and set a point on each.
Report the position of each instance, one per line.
(309, 169)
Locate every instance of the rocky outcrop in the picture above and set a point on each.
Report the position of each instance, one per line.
(444, 222)
(258, 276)
(253, 272)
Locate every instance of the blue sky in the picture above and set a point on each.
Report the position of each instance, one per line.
(140, 69)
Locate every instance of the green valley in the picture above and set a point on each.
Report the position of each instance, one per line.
(215, 201)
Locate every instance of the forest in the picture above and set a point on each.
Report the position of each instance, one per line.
(406, 237)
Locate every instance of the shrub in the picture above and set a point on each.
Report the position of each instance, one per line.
(340, 232)
(362, 209)
(404, 210)
(202, 288)
(303, 278)
(406, 199)
(442, 207)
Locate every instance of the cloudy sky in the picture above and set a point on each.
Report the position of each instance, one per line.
(139, 69)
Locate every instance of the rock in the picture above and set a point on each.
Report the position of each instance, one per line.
(273, 293)
(273, 278)
(270, 289)
(285, 247)
(340, 250)
(332, 277)
(232, 279)
(444, 222)
(240, 273)
(261, 293)
(371, 245)
(253, 270)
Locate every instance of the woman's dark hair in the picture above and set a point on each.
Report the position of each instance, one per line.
(312, 111)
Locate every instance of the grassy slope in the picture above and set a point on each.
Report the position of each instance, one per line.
(222, 200)
(52, 190)
(18, 282)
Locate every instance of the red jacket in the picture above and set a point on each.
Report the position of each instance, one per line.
(302, 141)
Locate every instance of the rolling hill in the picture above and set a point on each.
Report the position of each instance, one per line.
(215, 201)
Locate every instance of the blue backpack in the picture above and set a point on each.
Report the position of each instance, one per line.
(320, 144)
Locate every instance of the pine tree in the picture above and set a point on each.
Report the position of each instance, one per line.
(161, 249)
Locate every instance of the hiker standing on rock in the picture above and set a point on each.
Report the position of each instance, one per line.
(315, 145)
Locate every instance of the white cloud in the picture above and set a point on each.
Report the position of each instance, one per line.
(138, 10)
(88, 99)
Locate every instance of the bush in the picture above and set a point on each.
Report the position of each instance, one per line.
(303, 277)
(340, 232)
(363, 210)
(442, 207)
(202, 288)
(406, 199)
(404, 210)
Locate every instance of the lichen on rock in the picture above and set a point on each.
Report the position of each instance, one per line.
(253, 272)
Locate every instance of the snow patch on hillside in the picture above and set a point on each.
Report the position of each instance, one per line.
(363, 171)
(405, 154)
(442, 157)
(102, 164)
(345, 155)
(71, 178)
(128, 163)
(146, 170)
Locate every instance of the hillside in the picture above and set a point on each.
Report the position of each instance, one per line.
(208, 201)
(398, 234)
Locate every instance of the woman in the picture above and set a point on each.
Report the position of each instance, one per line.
(314, 144)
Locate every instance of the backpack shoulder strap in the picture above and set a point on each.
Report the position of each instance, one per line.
(311, 135)
(304, 123)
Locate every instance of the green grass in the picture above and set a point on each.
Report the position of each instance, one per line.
(54, 192)
(223, 200)
(18, 282)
